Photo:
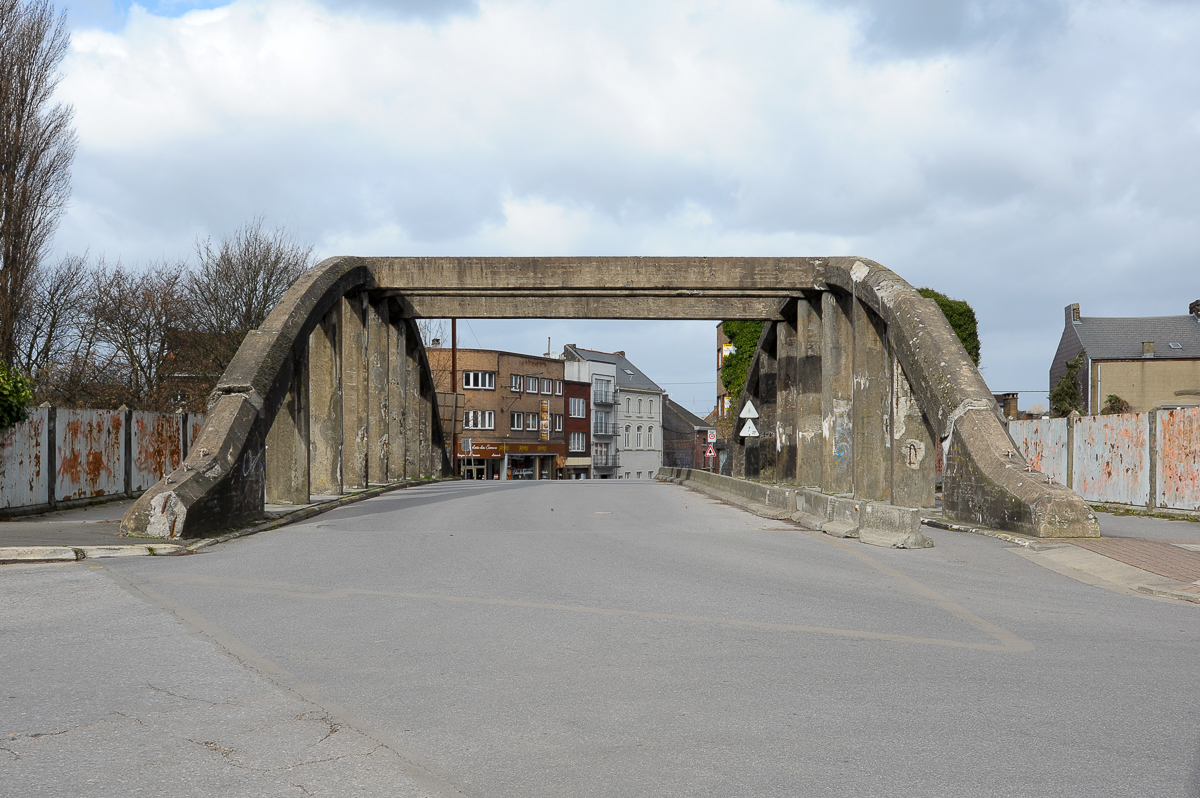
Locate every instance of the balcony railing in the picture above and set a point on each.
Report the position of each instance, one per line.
(606, 460)
(604, 428)
(602, 397)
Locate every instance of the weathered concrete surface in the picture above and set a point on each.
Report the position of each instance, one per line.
(837, 393)
(287, 452)
(913, 447)
(872, 407)
(984, 484)
(325, 418)
(769, 501)
(894, 527)
(809, 441)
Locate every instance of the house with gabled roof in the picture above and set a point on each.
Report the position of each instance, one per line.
(1150, 362)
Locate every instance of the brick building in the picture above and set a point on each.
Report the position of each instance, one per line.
(513, 413)
(577, 429)
(685, 438)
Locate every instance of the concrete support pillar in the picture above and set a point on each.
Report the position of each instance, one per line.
(412, 404)
(768, 379)
(809, 442)
(396, 381)
(426, 401)
(287, 441)
(837, 393)
(872, 406)
(325, 401)
(354, 391)
(787, 356)
(378, 430)
(914, 449)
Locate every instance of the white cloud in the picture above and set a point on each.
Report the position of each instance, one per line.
(1020, 156)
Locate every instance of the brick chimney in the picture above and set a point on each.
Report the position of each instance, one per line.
(1194, 309)
(620, 354)
(1147, 349)
(1072, 313)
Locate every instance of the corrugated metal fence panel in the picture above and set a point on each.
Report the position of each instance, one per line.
(1112, 458)
(195, 424)
(23, 477)
(1043, 442)
(91, 453)
(1178, 471)
(157, 446)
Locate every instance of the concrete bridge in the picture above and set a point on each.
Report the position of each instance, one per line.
(856, 379)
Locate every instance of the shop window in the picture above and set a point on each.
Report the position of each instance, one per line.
(485, 380)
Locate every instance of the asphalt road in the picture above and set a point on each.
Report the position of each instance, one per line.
(588, 639)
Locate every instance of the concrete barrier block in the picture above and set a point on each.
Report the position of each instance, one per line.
(894, 527)
(812, 508)
(843, 518)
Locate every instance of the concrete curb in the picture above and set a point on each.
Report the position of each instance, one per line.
(875, 523)
(305, 513)
(1166, 592)
(16, 554)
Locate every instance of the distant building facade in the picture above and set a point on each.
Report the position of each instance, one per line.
(635, 408)
(685, 438)
(1150, 362)
(513, 417)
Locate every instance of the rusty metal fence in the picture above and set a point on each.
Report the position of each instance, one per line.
(67, 455)
(1142, 459)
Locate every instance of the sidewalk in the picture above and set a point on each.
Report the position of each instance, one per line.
(94, 531)
(1137, 555)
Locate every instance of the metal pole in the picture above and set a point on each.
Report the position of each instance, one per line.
(454, 388)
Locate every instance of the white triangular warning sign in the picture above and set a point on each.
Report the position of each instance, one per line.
(748, 411)
(749, 430)
(709, 452)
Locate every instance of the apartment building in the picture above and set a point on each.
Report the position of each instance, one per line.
(513, 424)
(628, 404)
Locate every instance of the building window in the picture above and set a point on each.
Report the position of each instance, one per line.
(578, 442)
(479, 379)
(577, 407)
(649, 437)
(639, 407)
(558, 422)
(626, 436)
(518, 421)
(649, 407)
(547, 386)
(626, 475)
(639, 436)
(628, 406)
(531, 421)
(639, 475)
(517, 379)
(479, 419)
(558, 387)
(531, 384)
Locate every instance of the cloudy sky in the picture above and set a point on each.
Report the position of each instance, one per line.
(1019, 154)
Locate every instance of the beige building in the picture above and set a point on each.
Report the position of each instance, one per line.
(1149, 362)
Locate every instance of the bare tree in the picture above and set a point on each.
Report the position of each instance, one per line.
(235, 286)
(37, 146)
(44, 331)
(134, 316)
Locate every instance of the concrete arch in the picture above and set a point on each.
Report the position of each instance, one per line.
(342, 340)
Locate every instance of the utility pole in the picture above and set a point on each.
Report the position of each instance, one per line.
(454, 388)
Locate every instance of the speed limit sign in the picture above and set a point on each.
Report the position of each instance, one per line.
(712, 436)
